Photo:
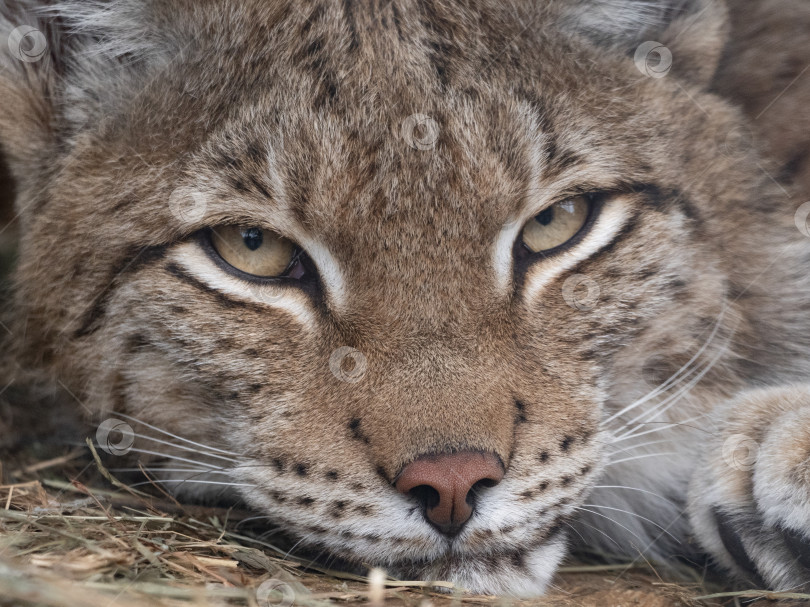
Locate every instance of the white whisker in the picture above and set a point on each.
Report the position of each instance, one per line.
(298, 543)
(671, 400)
(659, 496)
(643, 518)
(186, 480)
(629, 448)
(597, 529)
(155, 470)
(254, 518)
(662, 425)
(642, 456)
(174, 457)
(190, 449)
(674, 378)
(574, 529)
(180, 438)
(612, 521)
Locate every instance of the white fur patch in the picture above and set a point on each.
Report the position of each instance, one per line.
(781, 478)
(619, 20)
(328, 269)
(611, 219)
(189, 256)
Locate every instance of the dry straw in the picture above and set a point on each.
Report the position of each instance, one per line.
(99, 543)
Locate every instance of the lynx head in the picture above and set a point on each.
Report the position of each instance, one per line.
(393, 264)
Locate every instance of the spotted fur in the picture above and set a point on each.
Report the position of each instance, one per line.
(295, 116)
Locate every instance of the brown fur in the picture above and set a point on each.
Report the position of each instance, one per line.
(289, 116)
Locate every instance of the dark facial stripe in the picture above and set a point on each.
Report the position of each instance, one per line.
(134, 260)
(668, 199)
(220, 298)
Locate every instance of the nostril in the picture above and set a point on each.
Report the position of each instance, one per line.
(426, 496)
(478, 487)
(447, 485)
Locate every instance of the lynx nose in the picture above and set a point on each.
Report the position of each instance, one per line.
(446, 485)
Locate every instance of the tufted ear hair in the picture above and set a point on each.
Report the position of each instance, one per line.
(64, 65)
(682, 37)
(27, 79)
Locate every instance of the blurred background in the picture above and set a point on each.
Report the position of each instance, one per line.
(8, 232)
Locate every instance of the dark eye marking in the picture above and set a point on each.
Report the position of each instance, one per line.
(226, 302)
(132, 261)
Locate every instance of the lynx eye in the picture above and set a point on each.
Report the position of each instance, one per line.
(557, 224)
(255, 251)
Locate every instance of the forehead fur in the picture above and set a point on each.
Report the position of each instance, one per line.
(319, 118)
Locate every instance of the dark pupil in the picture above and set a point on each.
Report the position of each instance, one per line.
(546, 217)
(252, 237)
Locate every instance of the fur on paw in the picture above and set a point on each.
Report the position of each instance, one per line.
(749, 500)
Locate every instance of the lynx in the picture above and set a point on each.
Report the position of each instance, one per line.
(447, 288)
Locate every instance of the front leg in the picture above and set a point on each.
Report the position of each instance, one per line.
(749, 500)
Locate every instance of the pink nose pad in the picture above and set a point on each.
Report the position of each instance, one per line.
(446, 485)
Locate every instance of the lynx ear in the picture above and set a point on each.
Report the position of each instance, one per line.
(681, 37)
(27, 79)
(66, 65)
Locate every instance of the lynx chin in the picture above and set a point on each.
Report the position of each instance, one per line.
(447, 288)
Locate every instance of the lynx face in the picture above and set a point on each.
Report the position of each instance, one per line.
(336, 244)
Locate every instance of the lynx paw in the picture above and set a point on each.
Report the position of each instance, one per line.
(750, 498)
